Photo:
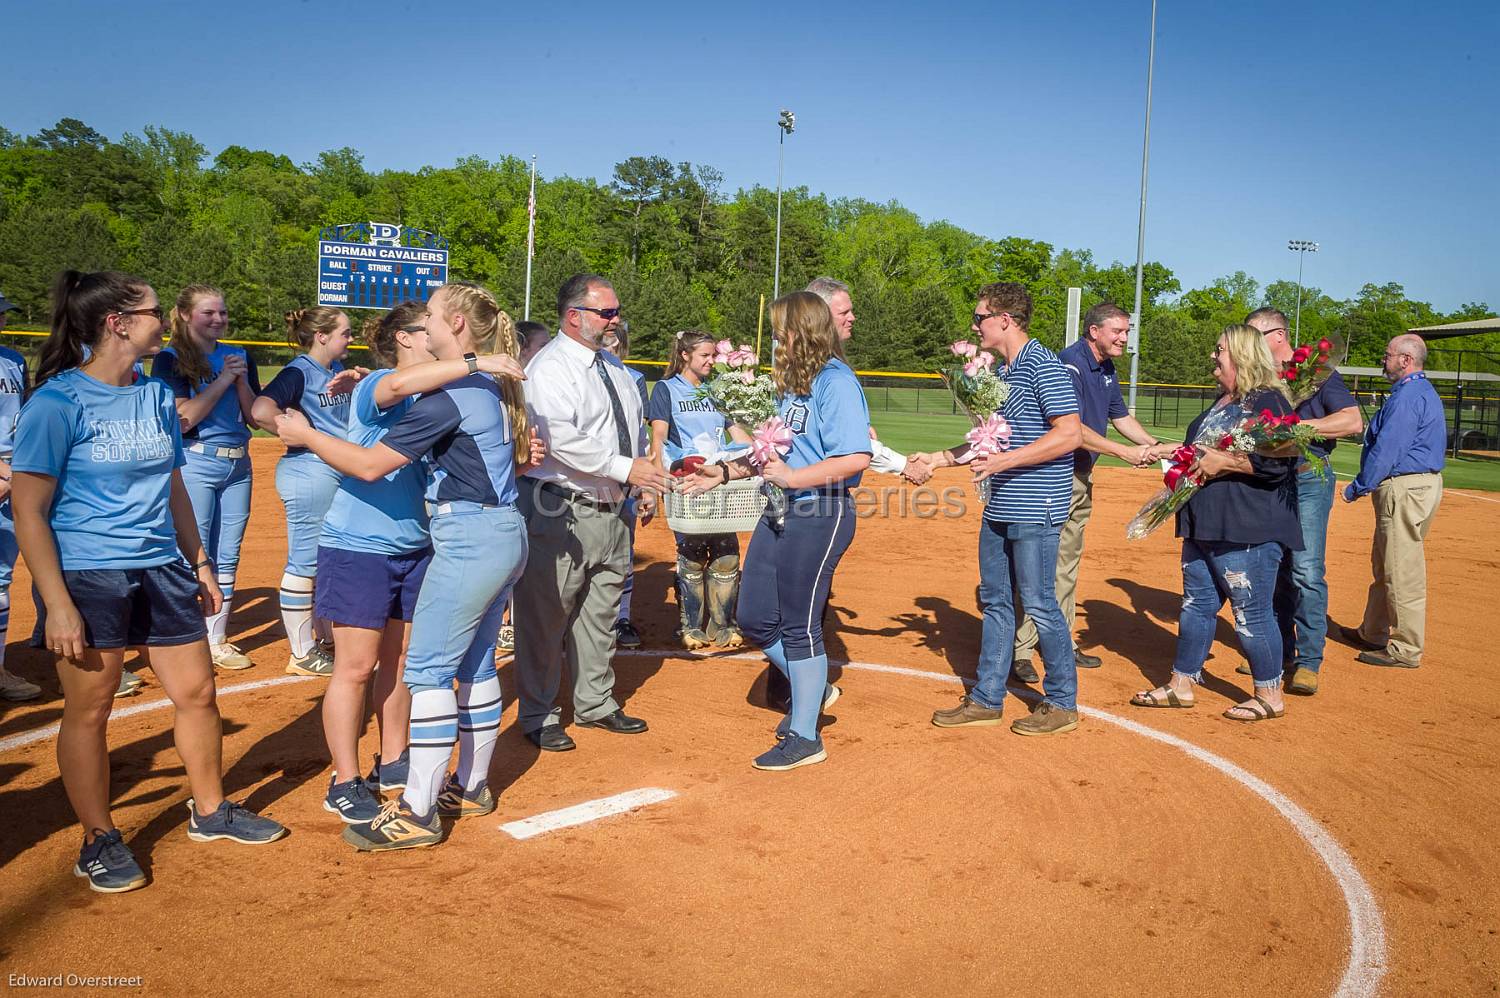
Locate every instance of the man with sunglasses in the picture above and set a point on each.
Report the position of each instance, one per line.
(1031, 488)
(1301, 602)
(1401, 468)
(589, 414)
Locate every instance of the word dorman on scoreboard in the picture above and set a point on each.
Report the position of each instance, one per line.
(379, 265)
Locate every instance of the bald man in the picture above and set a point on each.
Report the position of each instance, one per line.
(1402, 467)
(1301, 600)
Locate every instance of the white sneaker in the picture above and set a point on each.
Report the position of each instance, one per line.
(228, 656)
(16, 689)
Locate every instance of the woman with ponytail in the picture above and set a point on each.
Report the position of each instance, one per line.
(316, 384)
(107, 529)
(468, 428)
(215, 385)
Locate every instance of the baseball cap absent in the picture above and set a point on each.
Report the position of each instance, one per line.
(6, 304)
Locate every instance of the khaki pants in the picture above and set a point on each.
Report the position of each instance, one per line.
(1069, 557)
(1396, 608)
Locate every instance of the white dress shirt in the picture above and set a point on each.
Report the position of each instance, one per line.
(570, 408)
(884, 459)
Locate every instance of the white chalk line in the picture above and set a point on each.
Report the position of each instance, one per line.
(50, 731)
(582, 814)
(1367, 947)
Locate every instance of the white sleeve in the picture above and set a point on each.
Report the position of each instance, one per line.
(555, 416)
(885, 460)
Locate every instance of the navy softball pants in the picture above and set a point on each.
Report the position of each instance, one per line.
(787, 573)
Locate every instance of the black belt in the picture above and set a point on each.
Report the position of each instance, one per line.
(579, 498)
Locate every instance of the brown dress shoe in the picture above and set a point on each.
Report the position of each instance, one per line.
(967, 713)
(1303, 682)
(1046, 720)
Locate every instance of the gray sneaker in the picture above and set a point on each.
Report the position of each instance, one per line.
(791, 752)
(1046, 720)
(233, 822)
(109, 865)
(316, 662)
(130, 684)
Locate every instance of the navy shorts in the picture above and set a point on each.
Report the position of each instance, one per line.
(129, 607)
(359, 589)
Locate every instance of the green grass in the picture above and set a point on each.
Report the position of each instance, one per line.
(909, 431)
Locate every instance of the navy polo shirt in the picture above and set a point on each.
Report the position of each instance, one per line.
(1332, 396)
(1099, 399)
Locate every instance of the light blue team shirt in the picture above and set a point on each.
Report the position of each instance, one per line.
(224, 426)
(12, 391)
(112, 451)
(466, 428)
(387, 516)
(694, 426)
(831, 421)
(303, 385)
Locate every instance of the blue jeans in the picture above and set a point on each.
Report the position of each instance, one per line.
(306, 486)
(1020, 560)
(219, 488)
(478, 553)
(1301, 590)
(1245, 574)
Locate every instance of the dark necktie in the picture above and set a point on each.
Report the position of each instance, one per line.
(614, 403)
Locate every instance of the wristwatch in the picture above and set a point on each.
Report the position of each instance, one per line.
(472, 359)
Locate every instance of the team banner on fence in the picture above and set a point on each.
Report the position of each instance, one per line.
(379, 265)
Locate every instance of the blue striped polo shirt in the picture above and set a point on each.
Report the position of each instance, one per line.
(1040, 391)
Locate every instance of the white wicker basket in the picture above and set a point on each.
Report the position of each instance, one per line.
(732, 508)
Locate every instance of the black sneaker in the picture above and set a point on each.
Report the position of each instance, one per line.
(108, 864)
(791, 752)
(626, 636)
(1023, 671)
(350, 800)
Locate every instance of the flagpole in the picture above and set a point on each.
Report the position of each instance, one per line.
(530, 237)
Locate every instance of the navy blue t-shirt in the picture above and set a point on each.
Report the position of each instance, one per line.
(1099, 399)
(1237, 508)
(1333, 395)
(466, 428)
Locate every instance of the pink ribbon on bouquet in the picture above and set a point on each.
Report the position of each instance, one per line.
(990, 437)
(771, 439)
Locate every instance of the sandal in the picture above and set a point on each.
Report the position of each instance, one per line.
(1258, 707)
(1150, 698)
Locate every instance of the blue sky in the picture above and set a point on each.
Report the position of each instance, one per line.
(1368, 127)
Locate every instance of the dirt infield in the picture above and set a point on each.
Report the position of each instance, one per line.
(915, 861)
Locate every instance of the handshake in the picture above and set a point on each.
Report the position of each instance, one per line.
(919, 467)
(1145, 455)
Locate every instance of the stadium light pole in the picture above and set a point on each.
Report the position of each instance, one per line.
(785, 124)
(1140, 232)
(1301, 247)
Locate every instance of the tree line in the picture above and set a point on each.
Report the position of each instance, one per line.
(683, 251)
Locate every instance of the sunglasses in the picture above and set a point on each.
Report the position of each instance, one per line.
(979, 317)
(1268, 332)
(603, 313)
(157, 313)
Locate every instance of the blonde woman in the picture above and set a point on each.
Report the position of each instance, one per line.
(1234, 532)
(789, 567)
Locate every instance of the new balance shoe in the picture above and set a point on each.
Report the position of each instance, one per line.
(15, 689)
(388, 776)
(506, 642)
(108, 864)
(316, 662)
(229, 657)
(233, 822)
(395, 827)
(456, 802)
(130, 684)
(791, 752)
(350, 800)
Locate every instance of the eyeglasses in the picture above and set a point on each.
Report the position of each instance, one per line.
(157, 313)
(1268, 332)
(603, 313)
(979, 317)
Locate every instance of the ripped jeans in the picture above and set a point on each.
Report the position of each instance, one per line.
(1245, 574)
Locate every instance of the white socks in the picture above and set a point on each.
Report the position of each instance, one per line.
(296, 612)
(434, 731)
(478, 727)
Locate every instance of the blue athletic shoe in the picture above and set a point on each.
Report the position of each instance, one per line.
(109, 865)
(830, 695)
(388, 776)
(233, 822)
(350, 800)
(791, 752)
